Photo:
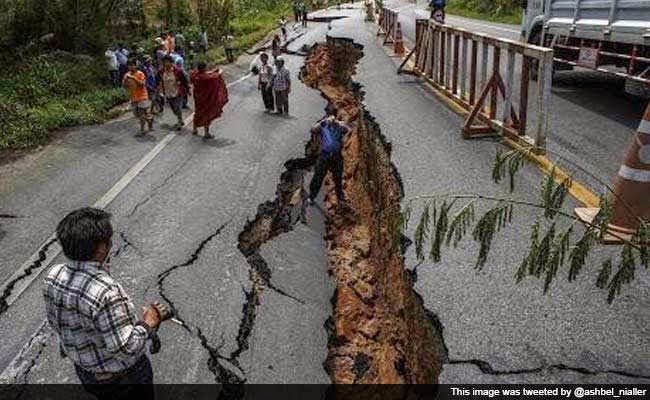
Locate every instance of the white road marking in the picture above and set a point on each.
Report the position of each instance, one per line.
(17, 366)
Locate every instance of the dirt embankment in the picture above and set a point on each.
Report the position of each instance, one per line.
(379, 330)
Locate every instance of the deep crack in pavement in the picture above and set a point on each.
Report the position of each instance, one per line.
(223, 374)
(486, 368)
(126, 243)
(165, 181)
(36, 264)
(273, 219)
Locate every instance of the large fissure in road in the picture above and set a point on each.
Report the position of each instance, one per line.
(379, 331)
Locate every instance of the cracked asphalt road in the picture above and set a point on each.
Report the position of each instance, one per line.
(192, 188)
(180, 199)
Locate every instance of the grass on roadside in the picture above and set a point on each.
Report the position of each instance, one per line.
(52, 91)
(248, 29)
(464, 8)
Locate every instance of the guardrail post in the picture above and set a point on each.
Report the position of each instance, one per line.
(463, 68)
(454, 78)
(523, 95)
(510, 77)
(485, 56)
(544, 81)
(448, 58)
(472, 73)
(496, 65)
(443, 72)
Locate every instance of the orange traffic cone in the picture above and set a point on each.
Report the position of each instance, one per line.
(399, 43)
(632, 189)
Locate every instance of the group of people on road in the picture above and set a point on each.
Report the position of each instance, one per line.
(300, 12)
(152, 82)
(274, 84)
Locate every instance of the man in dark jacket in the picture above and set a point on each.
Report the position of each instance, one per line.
(329, 133)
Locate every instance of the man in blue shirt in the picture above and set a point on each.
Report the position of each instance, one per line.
(329, 133)
(438, 10)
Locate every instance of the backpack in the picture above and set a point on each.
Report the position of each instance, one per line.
(330, 136)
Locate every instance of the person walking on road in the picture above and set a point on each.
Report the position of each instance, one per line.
(122, 55)
(265, 83)
(95, 320)
(229, 48)
(150, 73)
(296, 11)
(304, 11)
(135, 83)
(161, 51)
(283, 28)
(210, 96)
(281, 87)
(276, 48)
(203, 40)
(170, 43)
(173, 85)
(180, 44)
(179, 62)
(112, 66)
(329, 133)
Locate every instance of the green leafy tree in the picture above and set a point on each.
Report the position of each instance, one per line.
(555, 241)
(79, 26)
(215, 16)
(175, 14)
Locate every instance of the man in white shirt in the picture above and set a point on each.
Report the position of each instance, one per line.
(265, 83)
(112, 66)
(281, 87)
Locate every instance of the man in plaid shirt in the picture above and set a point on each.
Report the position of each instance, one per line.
(281, 87)
(94, 318)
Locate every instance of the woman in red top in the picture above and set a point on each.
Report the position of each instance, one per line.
(210, 96)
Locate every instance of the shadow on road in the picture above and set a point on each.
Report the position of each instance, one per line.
(219, 143)
(587, 90)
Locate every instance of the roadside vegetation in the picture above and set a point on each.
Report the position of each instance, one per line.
(504, 11)
(53, 53)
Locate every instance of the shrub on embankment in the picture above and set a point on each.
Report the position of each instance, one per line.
(506, 11)
(51, 91)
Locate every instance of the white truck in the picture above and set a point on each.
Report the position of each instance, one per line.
(611, 36)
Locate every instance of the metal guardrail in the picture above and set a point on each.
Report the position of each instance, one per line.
(467, 67)
(387, 24)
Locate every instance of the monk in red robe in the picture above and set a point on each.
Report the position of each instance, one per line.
(210, 96)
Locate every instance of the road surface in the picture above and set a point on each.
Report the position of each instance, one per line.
(494, 330)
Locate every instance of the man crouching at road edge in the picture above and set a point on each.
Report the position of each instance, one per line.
(94, 318)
